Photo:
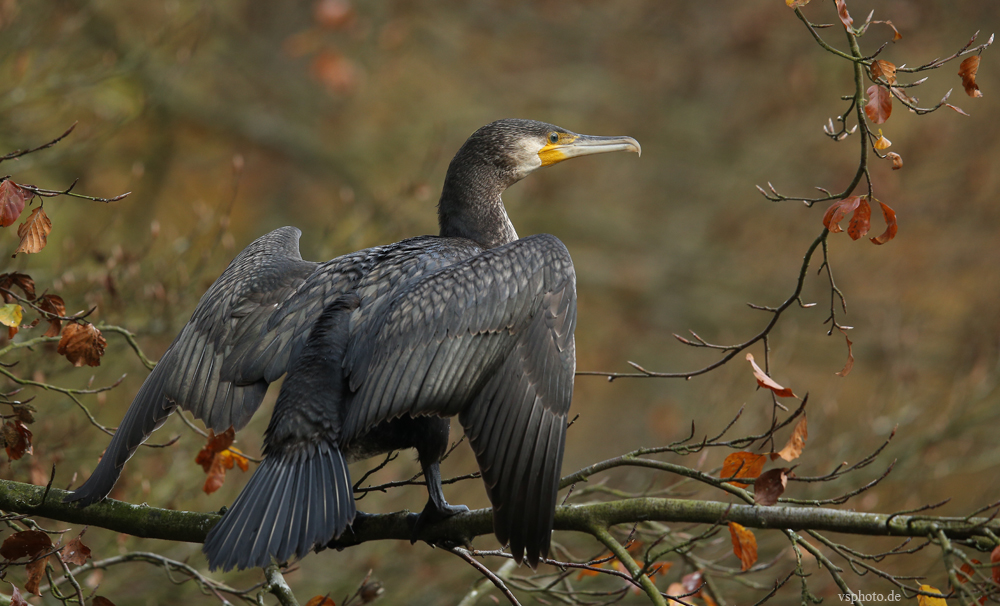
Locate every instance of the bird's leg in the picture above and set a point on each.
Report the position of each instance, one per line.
(431, 447)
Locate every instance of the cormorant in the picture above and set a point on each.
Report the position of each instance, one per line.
(381, 346)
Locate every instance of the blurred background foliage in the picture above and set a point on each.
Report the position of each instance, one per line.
(228, 119)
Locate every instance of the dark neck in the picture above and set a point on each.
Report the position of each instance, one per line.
(471, 207)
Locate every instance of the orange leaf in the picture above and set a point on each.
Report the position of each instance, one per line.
(321, 600)
(765, 381)
(675, 590)
(845, 17)
(967, 70)
(796, 442)
(879, 106)
(966, 573)
(55, 305)
(216, 475)
(883, 69)
(890, 225)
(881, 143)
(12, 198)
(335, 71)
(34, 232)
(25, 544)
(742, 465)
(860, 220)
(17, 439)
(744, 545)
(82, 344)
(897, 160)
(35, 572)
(895, 32)
(769, 486)
(850, 357)
(75, 552)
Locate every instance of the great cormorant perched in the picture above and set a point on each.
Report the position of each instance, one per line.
(380, 346)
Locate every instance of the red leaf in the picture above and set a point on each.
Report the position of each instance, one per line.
(17, 439)
(324, 600)
(845, 17)
(879, 106)
(742, 465)
(837, 211)
(765, 381)
(995, 560)
(890, 225)
(860, 220)
(967, 70)
(12, 198)
(75, 552)
(15, 597)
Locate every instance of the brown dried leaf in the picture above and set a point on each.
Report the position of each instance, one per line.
(926, 600)
(957, 109)
(22, 281)
(890, 225)
(769, 486)
(55, 305)
(845, 17)
(966, 573)
(895, 32)
(217, 456)
(765, 381)
(796, 442)
(214, 445)
(850, 357)
(35, 572)
(12, 199)
(744, 545)
(82, 344)
(15, 597)
(692, 581)
(75, 552)
(897, 160)
(742, 465)
(883, 69)
(837, 211)
(879, 106)
(100, 600)
(967, 70)
(324, 600)
(17, 440)
(25, 544)
(860, 220)
(34, 232)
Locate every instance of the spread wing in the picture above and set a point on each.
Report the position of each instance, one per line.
(227, 323)
(491, 339)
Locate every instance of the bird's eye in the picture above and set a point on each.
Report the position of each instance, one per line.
(553, 137)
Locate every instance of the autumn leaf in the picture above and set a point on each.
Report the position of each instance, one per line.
(742, 465)
(897, 160)
(34, 232)
(883, 69)
(333, 14)
(879, 106)
(926, 600)
(55, 305)
(796, 442)
(100, 600)
(17, 440)
(22, 281)
(75, 552)
(35, 572)
(850, 357)
(82, 344)
(765, 381)
(845, 17)
(967, 71)
(895, 32)
(335, 71)
(12, 198)
(995, 560)
(15, 597)
(321, 600)
(25, 544)
(860, 220)
(882, 143)
(11, 315)
(770, 486)
(796, 3)
(744, 545)
(967, 571)
(217, 456)
(890, 225)
(692, 582)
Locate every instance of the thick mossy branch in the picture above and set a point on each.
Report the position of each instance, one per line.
(152, 522)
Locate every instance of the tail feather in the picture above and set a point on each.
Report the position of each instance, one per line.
(294, 501)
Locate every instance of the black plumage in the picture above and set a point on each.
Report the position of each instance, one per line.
(380, 346)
